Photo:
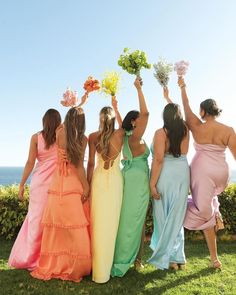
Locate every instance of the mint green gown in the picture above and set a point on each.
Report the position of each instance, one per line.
(133, 211)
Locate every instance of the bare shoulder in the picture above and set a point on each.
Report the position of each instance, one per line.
(119, 132)
(160, 133)
(93, 137)
(34, 138)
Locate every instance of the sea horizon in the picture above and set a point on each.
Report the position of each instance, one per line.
(12, 175)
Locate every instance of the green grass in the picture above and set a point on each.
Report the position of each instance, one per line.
(198, 278)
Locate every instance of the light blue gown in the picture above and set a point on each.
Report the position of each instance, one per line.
(167, 240)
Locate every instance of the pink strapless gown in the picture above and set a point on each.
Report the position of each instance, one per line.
(209, 177)
(26, 249)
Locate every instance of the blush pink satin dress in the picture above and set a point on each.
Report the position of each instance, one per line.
(26, 249)
(209, 177)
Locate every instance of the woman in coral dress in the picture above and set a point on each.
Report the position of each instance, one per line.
(209, 170)
(26, 249)
(106, 192)
(136, 189)
(65, 250)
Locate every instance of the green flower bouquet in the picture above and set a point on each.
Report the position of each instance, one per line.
(133, 62)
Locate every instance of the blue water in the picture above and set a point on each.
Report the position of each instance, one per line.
(12, 175)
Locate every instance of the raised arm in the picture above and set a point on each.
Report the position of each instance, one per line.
(191, 119)
(166, 95)
(157, 162)
(115, 107)
(82, 174)
(232, 143)
(144, 114)
(91, 160)
(29, 164)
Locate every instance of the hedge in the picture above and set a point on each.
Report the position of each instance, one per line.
(13, 211)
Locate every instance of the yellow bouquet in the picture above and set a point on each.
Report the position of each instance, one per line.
(110, 83)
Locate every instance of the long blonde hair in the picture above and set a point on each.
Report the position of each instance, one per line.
(106, 129)
(74, 129)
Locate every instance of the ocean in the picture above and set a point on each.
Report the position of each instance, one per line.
(12, 175)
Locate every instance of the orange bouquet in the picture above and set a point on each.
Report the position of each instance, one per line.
(91, 85)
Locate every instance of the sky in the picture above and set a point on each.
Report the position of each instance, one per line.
(48, 45)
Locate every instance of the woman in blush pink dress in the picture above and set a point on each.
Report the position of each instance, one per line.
(26, 249)
(209, 170)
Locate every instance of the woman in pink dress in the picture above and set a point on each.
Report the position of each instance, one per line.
(26, 249)
(65, 249)
(209, 170)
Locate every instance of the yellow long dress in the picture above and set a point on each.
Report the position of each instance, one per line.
(106, 200)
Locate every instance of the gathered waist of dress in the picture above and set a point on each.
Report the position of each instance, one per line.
(170, 157)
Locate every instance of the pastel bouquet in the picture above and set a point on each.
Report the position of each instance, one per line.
(133, 62)
(70, 98)
(91, 85)
(110, 83)
(162, 72)
(181, 67)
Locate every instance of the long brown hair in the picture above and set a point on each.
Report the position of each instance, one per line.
(51, 120)
(175, 127)
(74, 129)
(106, 128)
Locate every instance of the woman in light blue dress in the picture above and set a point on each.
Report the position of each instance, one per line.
(169, 185)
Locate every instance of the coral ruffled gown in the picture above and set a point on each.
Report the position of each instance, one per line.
(65, 250)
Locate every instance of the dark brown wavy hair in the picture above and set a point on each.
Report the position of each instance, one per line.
(106, 128)
(74, 130)
(175, 128)
(51, 120)
(209, 106)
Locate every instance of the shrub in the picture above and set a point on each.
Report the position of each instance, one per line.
(12, 211)
(227, 201)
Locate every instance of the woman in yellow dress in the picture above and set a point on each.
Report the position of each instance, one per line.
(106, 191)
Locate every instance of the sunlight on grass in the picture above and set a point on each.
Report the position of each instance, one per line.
(197, 279)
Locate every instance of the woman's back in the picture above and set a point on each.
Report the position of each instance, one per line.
(183, 146)
(212, 132)
(114, 148)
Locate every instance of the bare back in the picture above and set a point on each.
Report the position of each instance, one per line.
(115, 146)
(137, 146)
(212, 132)
(183, 147)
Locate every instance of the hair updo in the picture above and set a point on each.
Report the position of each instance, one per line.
(209, 106)
(127, 122)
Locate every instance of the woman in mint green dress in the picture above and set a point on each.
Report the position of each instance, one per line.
(136, 189)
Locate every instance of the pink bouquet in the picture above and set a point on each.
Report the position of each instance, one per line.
(181, 67)
(70, 98)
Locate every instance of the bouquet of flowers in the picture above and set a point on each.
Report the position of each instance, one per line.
(70, 98)
(110, 83)
(91, 85)
(133, 62)
(181, 67)
(162, 72)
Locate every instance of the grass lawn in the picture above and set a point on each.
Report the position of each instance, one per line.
(198, 278)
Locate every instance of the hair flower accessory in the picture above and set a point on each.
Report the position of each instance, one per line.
(181, 67)
(110, 83)
(162, 72)
(70, 98)
(133, 62)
